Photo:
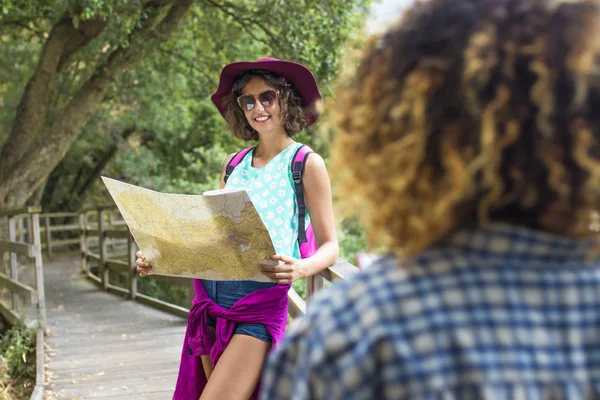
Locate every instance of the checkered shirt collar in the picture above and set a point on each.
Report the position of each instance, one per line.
(509, 241)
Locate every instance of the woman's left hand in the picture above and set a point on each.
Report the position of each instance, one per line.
(287, 271)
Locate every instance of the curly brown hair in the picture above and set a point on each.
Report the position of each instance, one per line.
(290, 104)
(474, 111)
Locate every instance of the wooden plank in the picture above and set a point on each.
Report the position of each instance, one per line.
(117, 290)
(29, 229)
(119, 222)
(59, 215)
(103, 256)
(342, 269)
(14, 268)
(163, 305)
(40, 374)
(48, 237)
(24, 249)
(94, 278)
(297, 306)
(65, 228)
(39, 269)
(118, 255)
(314, 283)
(97, 208)
(19, 288)
(38, 393)
(328, 275)
(9, 315)
(116, 233)
(19, 211)
(93, 257)
(21, 229)
(116, 265)
(64, 242)
(131, 250)
(83, 245)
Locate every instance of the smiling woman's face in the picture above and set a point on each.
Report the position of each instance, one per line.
(262, 118)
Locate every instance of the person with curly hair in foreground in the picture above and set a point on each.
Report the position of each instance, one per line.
(470, 140)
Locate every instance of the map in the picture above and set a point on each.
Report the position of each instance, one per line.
(218, 235)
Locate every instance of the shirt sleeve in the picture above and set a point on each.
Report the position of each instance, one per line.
(338, 351)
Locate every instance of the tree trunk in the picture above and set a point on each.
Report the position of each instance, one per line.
(33, 149)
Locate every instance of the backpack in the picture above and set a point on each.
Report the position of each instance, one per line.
(306, 236)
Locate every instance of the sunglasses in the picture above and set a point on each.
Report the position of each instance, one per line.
(266, 98)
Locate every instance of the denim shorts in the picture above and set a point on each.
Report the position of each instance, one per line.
(226, 293)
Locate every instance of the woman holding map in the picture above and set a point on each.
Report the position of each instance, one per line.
(237, 322)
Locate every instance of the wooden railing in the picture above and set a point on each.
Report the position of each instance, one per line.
(107, 246)
(50, 241)
(23, 223)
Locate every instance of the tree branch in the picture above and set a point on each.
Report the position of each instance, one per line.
(84, 33)
(192, 65)
(239, 18)
(32, 111)
(56, 198)
(36, 165)
(103, 162)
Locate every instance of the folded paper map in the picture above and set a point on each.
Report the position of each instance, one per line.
(218, 235)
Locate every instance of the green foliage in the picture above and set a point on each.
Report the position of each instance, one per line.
(158, 115)
(174, 294)
(165, 98)
(17, 346)
(300, 287)
(351, 237)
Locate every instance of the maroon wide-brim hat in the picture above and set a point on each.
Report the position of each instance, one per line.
(296, 74)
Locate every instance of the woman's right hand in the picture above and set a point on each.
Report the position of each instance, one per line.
(143, 267)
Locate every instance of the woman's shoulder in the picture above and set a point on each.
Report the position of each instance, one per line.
(314, 166)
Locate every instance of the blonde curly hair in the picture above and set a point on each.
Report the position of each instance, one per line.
(474, 111)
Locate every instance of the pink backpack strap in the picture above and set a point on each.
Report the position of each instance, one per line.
(298, 165)
(235, 161)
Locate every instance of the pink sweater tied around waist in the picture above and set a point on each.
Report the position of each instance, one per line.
(264, 306)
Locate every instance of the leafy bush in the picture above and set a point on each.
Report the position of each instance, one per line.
(17, 361)
(165, 291)
(300, 287)
(17, 344)
(351, 236)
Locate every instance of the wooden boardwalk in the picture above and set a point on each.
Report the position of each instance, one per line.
(102, 346)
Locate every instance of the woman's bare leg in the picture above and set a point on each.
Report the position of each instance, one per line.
(206, 361)
(237, 373)
(207, 365)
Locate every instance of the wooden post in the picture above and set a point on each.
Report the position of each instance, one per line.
(14, 267)
(39, 271)
(5, 256)
(29, 229)
(48, 237)
(83, 241)
(314, 283)
(131, 250)
(102, 244)
(22, 230)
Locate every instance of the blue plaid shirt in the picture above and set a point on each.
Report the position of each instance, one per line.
(492, 313)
